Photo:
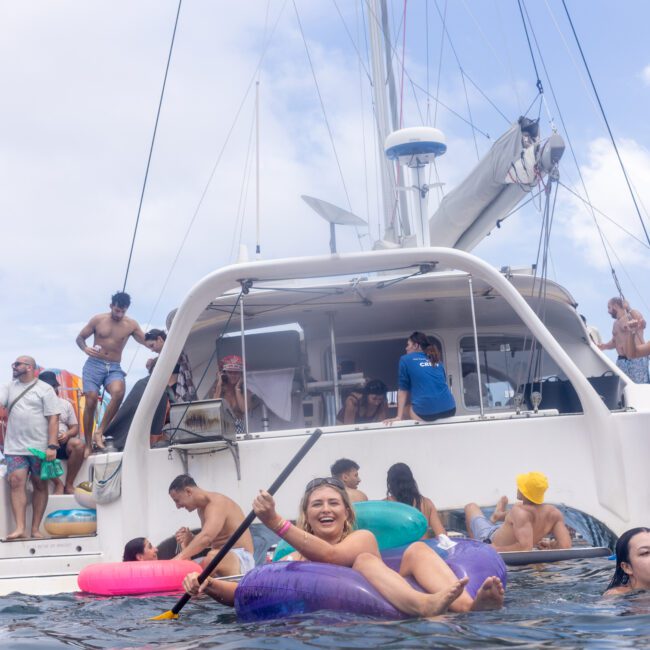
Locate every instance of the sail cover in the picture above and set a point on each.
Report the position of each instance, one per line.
(498, 182)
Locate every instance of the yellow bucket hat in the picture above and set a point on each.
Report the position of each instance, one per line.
(532, 486)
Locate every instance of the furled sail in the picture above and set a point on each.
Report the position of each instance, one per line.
(510, 170)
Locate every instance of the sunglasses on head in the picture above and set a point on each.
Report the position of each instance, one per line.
(329, 480)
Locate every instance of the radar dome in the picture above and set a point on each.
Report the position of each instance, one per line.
(415, 146)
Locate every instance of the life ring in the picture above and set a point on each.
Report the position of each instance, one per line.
(71, 522)
(133, 578)
(392, 523)
(288, 588)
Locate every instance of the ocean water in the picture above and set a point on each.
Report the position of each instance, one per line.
(552, 605)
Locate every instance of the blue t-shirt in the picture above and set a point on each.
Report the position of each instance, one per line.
(426, 382)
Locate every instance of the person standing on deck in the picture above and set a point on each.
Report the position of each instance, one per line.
(71, 447)
(102, 368)
(33, 422)
(636, 369)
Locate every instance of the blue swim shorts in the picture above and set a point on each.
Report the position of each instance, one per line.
(483, 529)
(97, 373)
(635, 369)
(31, 463)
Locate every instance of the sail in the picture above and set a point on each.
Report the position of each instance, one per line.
(498, 182)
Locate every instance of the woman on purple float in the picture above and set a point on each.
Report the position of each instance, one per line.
(423, 393)
(324, 533)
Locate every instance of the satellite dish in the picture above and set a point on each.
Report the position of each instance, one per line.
(334, 215)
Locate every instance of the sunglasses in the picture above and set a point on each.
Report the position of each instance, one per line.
(329, 480)
(15, 364)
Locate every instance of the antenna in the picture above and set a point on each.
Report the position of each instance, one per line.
(334, 215)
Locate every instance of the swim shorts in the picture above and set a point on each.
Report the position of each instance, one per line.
(97, 373)
(431, 417)
(635, 369)
(246, 559)
(30, 463)
(483, 529)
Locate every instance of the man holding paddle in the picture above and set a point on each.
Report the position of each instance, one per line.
(220, 517)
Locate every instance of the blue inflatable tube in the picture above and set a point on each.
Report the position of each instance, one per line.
(284, 589)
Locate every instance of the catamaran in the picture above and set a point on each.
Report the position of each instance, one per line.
(532, 389)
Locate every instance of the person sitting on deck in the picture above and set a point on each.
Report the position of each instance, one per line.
(230, 388)
(366, 405)
(220, 516)
(71, 446)
(139, 549)
(632, 562)
(423, 393)
(401, 487)
(347, 471)
(525, 525)
(325, 533)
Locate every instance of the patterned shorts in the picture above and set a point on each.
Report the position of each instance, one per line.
(30, 463)
(635, 369)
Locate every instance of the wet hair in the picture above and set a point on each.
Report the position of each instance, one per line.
(375, 387)
(181, 482)
(621, 578)
(430, 349)
(132, 549)
(402, 486)
(121, 300)
(154, 334)
(350, 520)
(343, 465)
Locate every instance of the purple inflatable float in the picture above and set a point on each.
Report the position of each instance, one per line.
(289, 588)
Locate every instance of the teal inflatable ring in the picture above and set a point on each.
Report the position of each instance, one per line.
(392, 523)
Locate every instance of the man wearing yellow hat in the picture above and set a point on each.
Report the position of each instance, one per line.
(525, 525)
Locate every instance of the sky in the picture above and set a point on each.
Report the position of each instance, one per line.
(81, 84)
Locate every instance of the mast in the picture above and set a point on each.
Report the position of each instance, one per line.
(382, 118)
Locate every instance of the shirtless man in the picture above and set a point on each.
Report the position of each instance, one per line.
(635, 368)
(102, 368)
(220, 517)
(348, 471)
(525, 525)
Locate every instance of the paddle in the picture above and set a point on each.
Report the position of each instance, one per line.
(243, 527)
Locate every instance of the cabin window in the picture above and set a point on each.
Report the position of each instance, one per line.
(506, 363)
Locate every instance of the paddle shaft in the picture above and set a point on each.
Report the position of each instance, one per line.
(243, 527)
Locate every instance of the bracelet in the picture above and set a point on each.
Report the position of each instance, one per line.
(284, 528)
(53, 447)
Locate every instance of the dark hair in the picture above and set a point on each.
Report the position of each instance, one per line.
(623, 555)
(132, 549)
(401, 485)
(181, 482)
(153, 334)
(343, 465)
(429, 348)
(121, 299)
(375, 387)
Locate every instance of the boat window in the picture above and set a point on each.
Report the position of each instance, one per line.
(505, 363)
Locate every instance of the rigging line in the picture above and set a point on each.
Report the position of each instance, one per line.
(354, 45)
(426, 36)
(419, 87)
(609, 130)
(243, 191)
(216, 165)
(442, 47)
(575, 162)
(322, 105)
(600, 212)
(401, 83)
(153, 140)
(462, 77)
(538, 83)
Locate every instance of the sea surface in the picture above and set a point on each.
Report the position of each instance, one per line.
(547, 605)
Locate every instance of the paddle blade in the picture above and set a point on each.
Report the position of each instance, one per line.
(165, 616)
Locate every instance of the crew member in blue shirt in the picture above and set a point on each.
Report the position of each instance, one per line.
(423, 393)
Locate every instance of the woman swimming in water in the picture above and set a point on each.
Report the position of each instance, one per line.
(632, 562)
(324, 533)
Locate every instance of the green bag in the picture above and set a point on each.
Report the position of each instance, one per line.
(49, 468)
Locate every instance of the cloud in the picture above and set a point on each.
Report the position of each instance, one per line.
(645, 75)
